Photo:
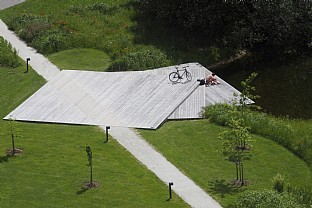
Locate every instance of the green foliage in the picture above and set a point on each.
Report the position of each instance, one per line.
(8, 55)
(302, 195)
(266, 199)
(278, 183)
(192, 146)
(270, 28)
(89, 153)
(280, 130)
(235, 140)
(40, 32)
(50, 41)
(248, 92)
(141, 59)
(100, 7)
(29, 26)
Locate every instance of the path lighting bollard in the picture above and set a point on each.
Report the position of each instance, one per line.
(170, 191)
(106, 130)
(27, 60)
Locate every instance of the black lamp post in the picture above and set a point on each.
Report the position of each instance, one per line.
(27, 60)
(106, 130)
(170, 191)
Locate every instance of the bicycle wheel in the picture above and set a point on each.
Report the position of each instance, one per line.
(174, 77)
(188, 76)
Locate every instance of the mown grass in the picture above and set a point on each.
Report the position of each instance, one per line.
(194, 148)
(53, 166)
(81, 59)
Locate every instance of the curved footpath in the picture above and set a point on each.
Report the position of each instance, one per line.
(138, 147)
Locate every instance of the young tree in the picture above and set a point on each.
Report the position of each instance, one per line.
(89, 153)
(13, 133)
(234, 146)
(235, 139)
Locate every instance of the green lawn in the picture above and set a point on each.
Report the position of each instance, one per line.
(81, 59)
(53, 166)
(193, 147)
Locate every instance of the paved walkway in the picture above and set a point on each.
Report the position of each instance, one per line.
(37, 61)
(154, 161)
(8, 3)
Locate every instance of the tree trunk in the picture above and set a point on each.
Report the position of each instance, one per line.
(13, 145)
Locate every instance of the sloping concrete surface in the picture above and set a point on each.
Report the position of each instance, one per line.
(139, 100)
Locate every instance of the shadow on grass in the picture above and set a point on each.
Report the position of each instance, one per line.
(82, 190)
(222, 187)
(5, 158)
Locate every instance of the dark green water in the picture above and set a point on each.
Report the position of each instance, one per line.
(285, 89)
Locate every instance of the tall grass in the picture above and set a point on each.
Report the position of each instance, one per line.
(105, 25)
(8, 55)
(295, 135)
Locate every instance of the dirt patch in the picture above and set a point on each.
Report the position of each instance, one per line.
(17, 151)
(88, 185)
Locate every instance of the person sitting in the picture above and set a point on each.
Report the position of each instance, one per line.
(211, 79)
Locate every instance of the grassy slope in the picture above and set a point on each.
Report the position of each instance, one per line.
(116, 33)
(82, 59)
(52, 168)
(193, 147)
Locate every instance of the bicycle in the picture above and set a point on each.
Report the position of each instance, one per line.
(176, 77)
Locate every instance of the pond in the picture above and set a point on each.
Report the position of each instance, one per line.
(285, 89)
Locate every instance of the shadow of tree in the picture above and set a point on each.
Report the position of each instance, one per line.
(180, 45)
(82, 190)
(5, 158)
(222, 187)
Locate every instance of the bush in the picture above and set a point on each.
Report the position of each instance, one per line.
(268, 27)
(51, 41)
(277, 129)
(8, 55)
(278, 183)
(141, 59)
(302, 195)
(100, 7)
(29, 26)
(41, 33)
(266, 199)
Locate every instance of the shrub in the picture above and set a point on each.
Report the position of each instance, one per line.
(140, 59)
(278, 183)
(8, 55)
(266, 199)
(269, 27)
(277, 129)
(51, 41)
(29, 26)
(102, 8)
(302, 195)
